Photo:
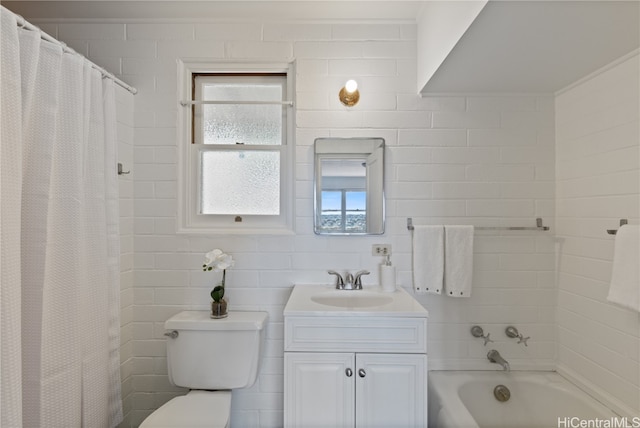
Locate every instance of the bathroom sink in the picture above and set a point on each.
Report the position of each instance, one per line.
(325, 300)
(352, 299)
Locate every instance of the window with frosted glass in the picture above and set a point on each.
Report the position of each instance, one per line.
(241, 127)
(240, 182)
(242, 123)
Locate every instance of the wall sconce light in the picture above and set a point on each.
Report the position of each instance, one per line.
(349, 95)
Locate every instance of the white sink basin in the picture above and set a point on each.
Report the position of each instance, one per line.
(352, 299)
(325, 300)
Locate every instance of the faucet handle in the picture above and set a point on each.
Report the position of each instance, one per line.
(524, 340)
(487, 339)
(476, 331)
(358, 279)
(339, 280)
(513, 333)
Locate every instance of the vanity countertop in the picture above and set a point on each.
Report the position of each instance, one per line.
(326, 300)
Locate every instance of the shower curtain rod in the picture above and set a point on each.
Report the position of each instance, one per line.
(29, 26)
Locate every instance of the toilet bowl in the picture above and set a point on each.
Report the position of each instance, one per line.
(209, 409)
(210, 357)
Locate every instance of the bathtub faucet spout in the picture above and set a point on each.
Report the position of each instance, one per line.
(495, 357)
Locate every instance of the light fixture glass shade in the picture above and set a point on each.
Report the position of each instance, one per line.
(349, 94)
(351, 86)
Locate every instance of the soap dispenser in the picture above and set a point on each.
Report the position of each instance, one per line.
(388, 276)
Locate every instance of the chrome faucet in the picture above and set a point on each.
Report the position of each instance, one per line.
(495, 357)
(339, 280)
(349, 282)
(358, 279)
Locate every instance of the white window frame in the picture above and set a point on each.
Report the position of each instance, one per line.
(189, 220)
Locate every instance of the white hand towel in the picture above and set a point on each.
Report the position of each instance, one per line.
(625, 276)
(458, 260)
(428, 259)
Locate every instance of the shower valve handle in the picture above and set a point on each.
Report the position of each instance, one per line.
(172, 334)
(513, 333)
(476, 331)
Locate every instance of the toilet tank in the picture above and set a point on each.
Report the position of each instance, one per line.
(215, 353)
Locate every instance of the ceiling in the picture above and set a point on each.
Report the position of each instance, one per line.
(287, 10)
(514, 46)
(537, 46)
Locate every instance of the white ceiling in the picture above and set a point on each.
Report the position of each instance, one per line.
(513, 46)
(287, 10)
(537, 46)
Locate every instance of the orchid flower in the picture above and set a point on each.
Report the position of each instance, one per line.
(216, 261)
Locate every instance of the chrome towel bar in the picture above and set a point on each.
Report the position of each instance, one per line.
(539, 226)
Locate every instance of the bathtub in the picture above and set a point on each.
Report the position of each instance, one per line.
(465, 399)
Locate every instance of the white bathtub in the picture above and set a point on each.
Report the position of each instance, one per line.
(464, 399)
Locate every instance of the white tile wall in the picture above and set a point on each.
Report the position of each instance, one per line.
(124, 107)
(455, 160)
(598, 163)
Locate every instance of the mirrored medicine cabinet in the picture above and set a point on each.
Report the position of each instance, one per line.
(349, 186)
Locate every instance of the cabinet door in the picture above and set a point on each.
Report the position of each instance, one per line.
(391, 390)
(319, 390)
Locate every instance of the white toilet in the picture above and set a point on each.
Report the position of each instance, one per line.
(211, 357)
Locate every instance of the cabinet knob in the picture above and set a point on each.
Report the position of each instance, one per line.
(348, 372)
(362, 373)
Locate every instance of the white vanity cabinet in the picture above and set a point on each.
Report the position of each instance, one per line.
(355, 390)
(319, 390)
(393, 391)
(354, 362)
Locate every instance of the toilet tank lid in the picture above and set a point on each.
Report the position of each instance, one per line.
(201, 320)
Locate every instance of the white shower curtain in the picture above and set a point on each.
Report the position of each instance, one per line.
(59, 237)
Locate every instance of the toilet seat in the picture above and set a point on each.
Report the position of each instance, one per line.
(209, 409)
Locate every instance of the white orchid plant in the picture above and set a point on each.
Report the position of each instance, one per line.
(216, 261)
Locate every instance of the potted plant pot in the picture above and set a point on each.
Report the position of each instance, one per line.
(219, 309)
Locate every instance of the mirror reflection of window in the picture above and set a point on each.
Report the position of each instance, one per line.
(348, 186)
(355, 211)
(344, 189)
(344, 211)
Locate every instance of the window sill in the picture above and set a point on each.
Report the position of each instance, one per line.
(234, 231)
